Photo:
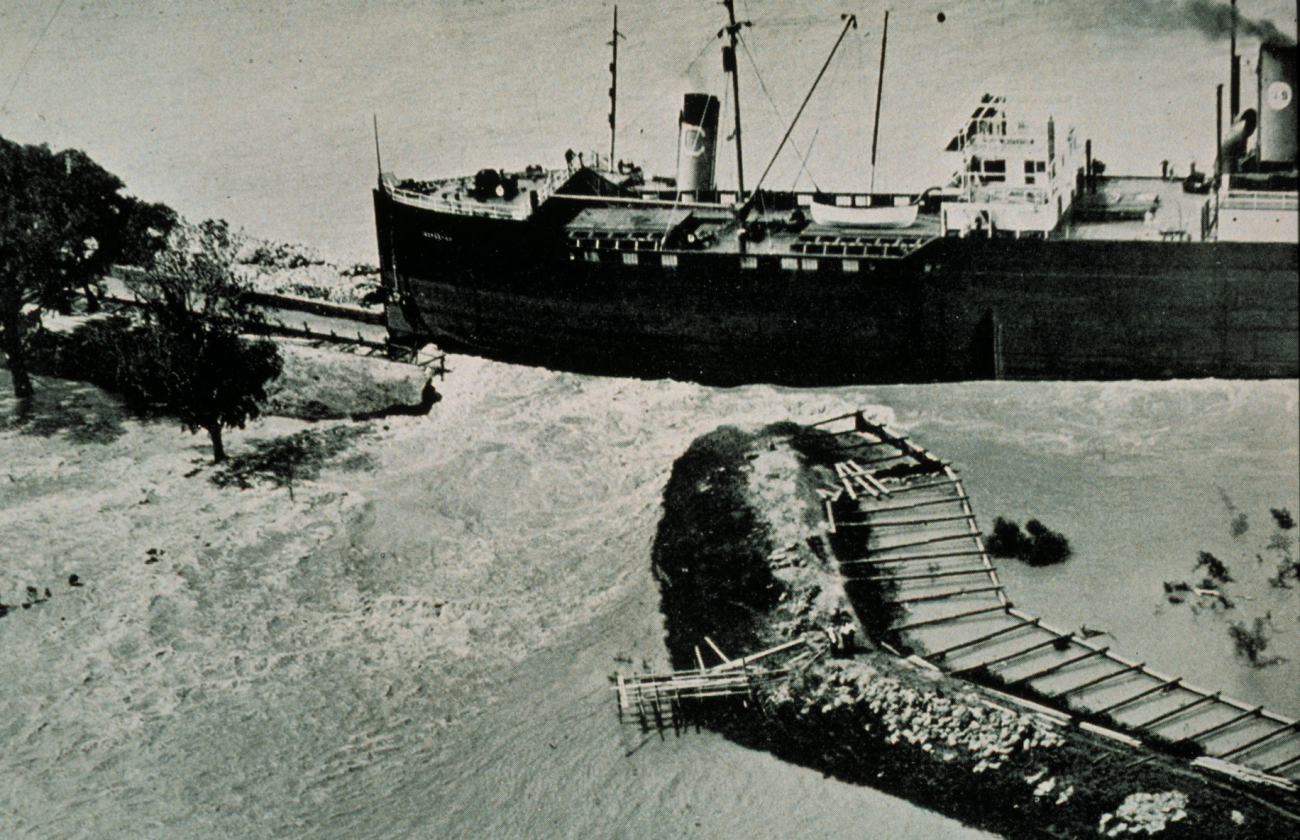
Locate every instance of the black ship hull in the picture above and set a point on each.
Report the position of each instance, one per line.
(953, 309)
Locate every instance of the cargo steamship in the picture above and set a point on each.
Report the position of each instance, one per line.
(1032, 263)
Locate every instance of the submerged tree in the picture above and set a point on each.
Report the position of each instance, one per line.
(64, 221)
(194, 359)
(1214, 567)
(1251, 642)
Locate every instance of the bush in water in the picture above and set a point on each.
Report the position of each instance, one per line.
(1040, 547)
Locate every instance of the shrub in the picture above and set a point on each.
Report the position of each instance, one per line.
(1046, 547)
(1040, 547)
(1007, 539)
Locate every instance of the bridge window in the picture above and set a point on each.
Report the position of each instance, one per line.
(808, 265)
(851, 266)
(749, 262)
(668, 260)
(631, 258)
(789, 263)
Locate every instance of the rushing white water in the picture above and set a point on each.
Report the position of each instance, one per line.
(527, 500)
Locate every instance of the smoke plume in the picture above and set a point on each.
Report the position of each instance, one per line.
(1212, 19)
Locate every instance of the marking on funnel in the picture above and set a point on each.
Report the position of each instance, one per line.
(693, 143)
(1278, 96)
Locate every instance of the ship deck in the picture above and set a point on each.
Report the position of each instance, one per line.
(1119, 208)
(1124, 208)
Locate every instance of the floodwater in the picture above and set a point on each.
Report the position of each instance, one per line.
(526, 502)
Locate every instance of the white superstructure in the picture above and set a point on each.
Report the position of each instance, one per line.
(1017, 175)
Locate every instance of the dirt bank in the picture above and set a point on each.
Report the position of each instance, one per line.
(743, 556)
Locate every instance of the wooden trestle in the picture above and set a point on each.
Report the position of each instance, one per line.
(673, 699)
(915, 527)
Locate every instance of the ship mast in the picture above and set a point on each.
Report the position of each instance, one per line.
(613, 88)
(379, 161)
(850, 22)
(730, 65)
(880, 86)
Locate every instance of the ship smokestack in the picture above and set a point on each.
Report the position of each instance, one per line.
(1088, 184)
(1234, 70)
(697, 142)
(1218, 131)
(1277, 106)
(1234, 145)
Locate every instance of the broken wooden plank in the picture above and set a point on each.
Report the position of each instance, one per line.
(901, 522)
(923, 575)
(911, 558)
(927, 541)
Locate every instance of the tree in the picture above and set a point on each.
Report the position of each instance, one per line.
(64, 221)
(194, 360)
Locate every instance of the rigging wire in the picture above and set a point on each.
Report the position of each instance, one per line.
(636, 120)
(763, 85)
(22, 71)
(803, 169)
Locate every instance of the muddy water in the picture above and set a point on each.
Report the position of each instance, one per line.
(556, 487)
(421, 648)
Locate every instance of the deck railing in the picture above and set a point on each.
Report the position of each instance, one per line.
(514, 210)
(1258, 200)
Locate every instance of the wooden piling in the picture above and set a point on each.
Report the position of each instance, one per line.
(1060, 666)
(943, 596)
(1250, 745)
(912, 625)
(1217, 728)
(1142, 695)
(1055, 640)
(1200, 701)
(940, 654)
